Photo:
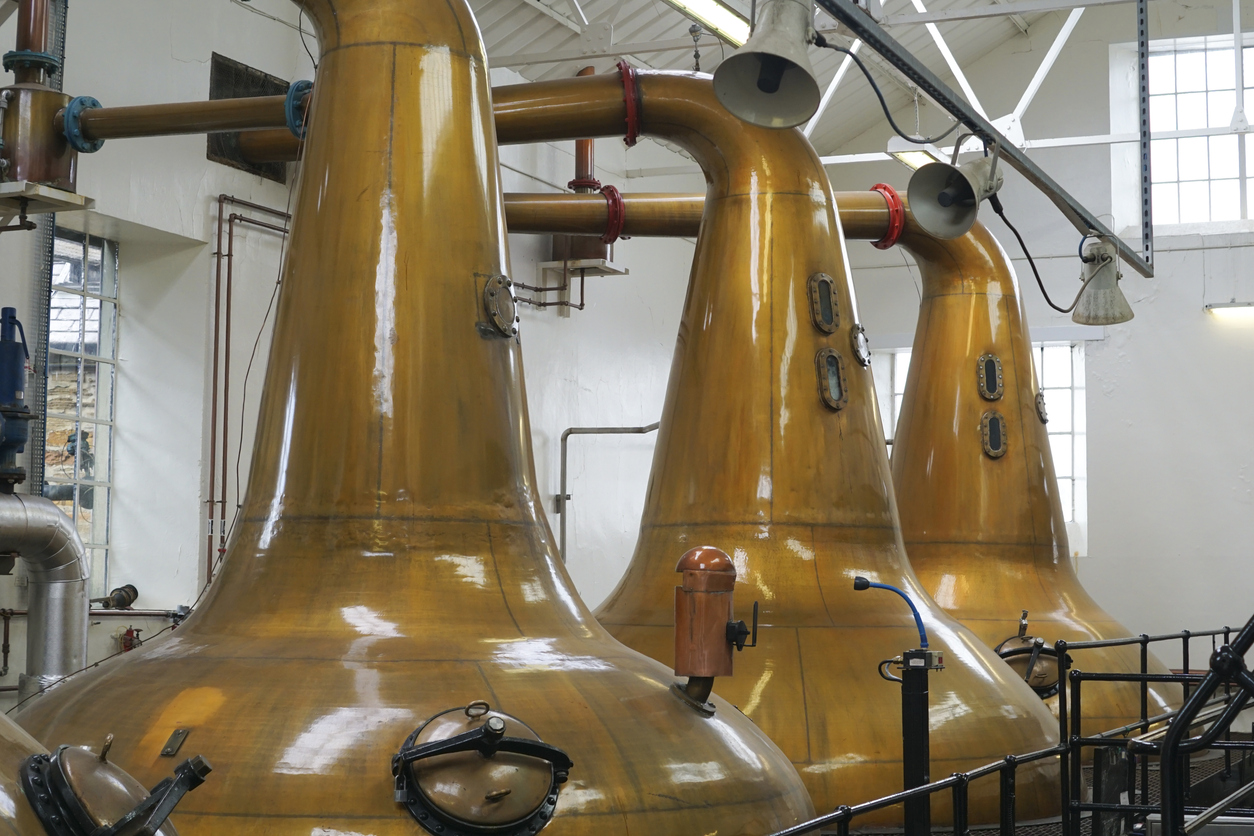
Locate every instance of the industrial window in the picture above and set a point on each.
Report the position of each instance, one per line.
(889, 369)
(82, 351)
(1192, 85)
(1060, 369)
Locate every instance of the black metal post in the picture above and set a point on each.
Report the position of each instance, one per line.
(1007, 774)
(1145, 715)
(1077, 753)
(1064, 738)
(960, 805)
(915, 752)
(1188, 769)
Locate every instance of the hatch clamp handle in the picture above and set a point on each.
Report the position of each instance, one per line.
(487, 740)
(738, 632)
(165, 796)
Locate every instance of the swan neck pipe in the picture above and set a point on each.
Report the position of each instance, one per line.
(56, 564)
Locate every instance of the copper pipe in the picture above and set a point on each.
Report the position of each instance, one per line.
(32, 36)
(175, 118)
(219, 255)
(864, 215)
(585, 151)
(269, 146)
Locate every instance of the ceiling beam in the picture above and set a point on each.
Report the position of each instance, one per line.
(1015, 7)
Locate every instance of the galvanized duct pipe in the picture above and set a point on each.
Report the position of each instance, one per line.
(56, 563)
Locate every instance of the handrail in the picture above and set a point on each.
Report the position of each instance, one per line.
(1213, 812)
(1200, 707)
(564, 497)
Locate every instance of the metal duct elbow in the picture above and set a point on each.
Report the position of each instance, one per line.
(56, 563)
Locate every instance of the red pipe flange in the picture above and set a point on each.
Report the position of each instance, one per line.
(584, 183)
(631, 98)
(896, 216)
(617, 214)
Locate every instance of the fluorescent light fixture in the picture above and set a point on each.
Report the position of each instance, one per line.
(912, 155)
(717, 18)
(1236, 311)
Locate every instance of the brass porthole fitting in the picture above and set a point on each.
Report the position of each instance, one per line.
(824, 307)
(993, 432)
(831, 372)
(988, 371)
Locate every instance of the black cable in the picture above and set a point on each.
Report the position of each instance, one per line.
(995, 202)
(820, 41)
(300, 27)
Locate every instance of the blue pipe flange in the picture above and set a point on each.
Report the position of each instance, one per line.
(295, 113)
(27, 59)
(74, 128)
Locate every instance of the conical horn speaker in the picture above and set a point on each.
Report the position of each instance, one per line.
(946, 199)
(1101, 301)
(981, 511)
(769, 80)
(770, 448)
(392, 583)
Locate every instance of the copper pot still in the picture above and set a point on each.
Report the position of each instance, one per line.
(391, 563)
(981, 513)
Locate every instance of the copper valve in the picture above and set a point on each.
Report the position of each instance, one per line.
(705, 634)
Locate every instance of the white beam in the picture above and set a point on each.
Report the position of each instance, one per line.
(831, 88)
(559, 55)
(6, 10)
(1017, 20)
(578, 10)
(1020, 7)
(553, 13)
(959, 75)
(1047, 63)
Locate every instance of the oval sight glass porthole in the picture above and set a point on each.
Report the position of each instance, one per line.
(993, 429)
(831, 371)
(988, 370)
(824, 308)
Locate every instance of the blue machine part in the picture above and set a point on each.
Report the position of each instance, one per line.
(74, 128)
(295, 113)
(15, 417)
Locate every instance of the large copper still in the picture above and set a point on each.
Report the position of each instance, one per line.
(983, 522)
(392, 559)
(770, 448)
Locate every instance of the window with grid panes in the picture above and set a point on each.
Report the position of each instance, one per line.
(1192, 86)
(82, 351)
(1060, 368)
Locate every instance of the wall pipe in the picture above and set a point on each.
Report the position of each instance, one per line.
(174, 118)
(863, 215)
(564, 497)
(219, 257)
(56, 563)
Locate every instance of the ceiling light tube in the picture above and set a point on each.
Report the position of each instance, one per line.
(912, 155)
(1235, 311)
(722, 20)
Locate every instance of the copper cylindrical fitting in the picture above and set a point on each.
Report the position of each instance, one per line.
(703, 608)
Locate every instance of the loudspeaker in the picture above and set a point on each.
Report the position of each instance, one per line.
(946, 199)
(769, 80)
(1101, 300)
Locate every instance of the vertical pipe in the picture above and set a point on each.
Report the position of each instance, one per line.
(32, 36)
(1184, 640)
(213, 399)
(585, 153)
(1007, 775)
(4, 666)
(226, 379)
(915, 755)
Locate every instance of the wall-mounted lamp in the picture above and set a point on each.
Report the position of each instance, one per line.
(912, 155)
(1235, 311)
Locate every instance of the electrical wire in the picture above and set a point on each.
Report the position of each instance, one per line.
(995, 202)
(301, 28)
(820, 41)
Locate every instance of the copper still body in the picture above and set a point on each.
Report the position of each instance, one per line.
(391, 560)
(771, 449)
(980, 511)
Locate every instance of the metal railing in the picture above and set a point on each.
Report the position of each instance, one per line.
(1167, 742)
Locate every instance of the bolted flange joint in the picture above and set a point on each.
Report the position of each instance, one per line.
(74, 127)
